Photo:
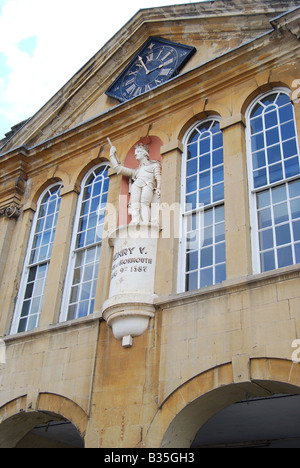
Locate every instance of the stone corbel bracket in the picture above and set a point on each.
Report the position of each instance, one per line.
(11, 211)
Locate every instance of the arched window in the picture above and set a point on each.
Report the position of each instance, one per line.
(274, 181)
(203, 228)
(83, 266)
(32, 286)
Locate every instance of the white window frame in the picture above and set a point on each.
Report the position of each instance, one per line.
(28, 266)
(255, 245)
(73, 250)
(181, 274)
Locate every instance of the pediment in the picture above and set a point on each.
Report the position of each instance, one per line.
(213, 28)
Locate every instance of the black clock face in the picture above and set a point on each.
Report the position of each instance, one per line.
(150, 69)
(157, 61)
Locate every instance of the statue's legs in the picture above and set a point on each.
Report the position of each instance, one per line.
(140, 204)
(146, 198)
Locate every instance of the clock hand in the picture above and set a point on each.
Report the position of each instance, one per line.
(160, 66)
(141, 60)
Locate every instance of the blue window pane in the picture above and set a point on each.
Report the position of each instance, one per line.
(256, 125)
(204, 146)
(287, 130)
(283, 234)
(191, 202)
(292, 167)
(296, 230)
(192, 167)
(83, 309)
(264, 218)
(217, 140)
(257, 110)
(215, 128)
(260, 178)
(274, 154)
(259, 159)
(286, 113)
(217, 157)
(208, 217)
(275, 173)
(295, 208)
(271, 119)
(289, 148)
(294, 189)
(192, 281)
(218, 174)
(80, 240)
(191, 184)
(92, 220)
(220, 273)
(257, 142)
(283, 99)
(192, 261)
(90, 236)
(97, 188)
(219, 214)
(204, 179)
(220, 232)
(85, 207)
(297, 252)
(220, 253)
(207, 236)
(206, 277)
(218, 192)
(281, 213)
(279, 194)
(204, 196)
(285, 256)
(272, 136)
(206, 257)
(204, 162)
(266, 239)
(95, 204)
(194, 136)
(192, 151)
(263, 199)
(267, 261)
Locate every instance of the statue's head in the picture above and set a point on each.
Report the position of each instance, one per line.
(141, 150)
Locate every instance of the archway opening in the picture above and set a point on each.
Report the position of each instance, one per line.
(262, 422)
(53, 434)
(39, 429)
(255, 413)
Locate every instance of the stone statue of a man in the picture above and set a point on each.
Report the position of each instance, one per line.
(144, 184)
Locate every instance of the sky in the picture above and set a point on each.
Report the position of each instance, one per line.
(43, 43)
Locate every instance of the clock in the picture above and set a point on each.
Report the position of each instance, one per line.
(155, 63)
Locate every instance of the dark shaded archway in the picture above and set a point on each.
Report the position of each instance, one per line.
(39, 429)
(265, 422)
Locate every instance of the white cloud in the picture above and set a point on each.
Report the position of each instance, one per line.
(68, 33)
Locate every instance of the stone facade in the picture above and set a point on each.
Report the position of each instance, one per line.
(204, 349)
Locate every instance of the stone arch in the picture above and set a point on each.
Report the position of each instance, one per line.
(82, 171)
(258, 90)
(18, 417)
(38, 191)
(190, 406)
